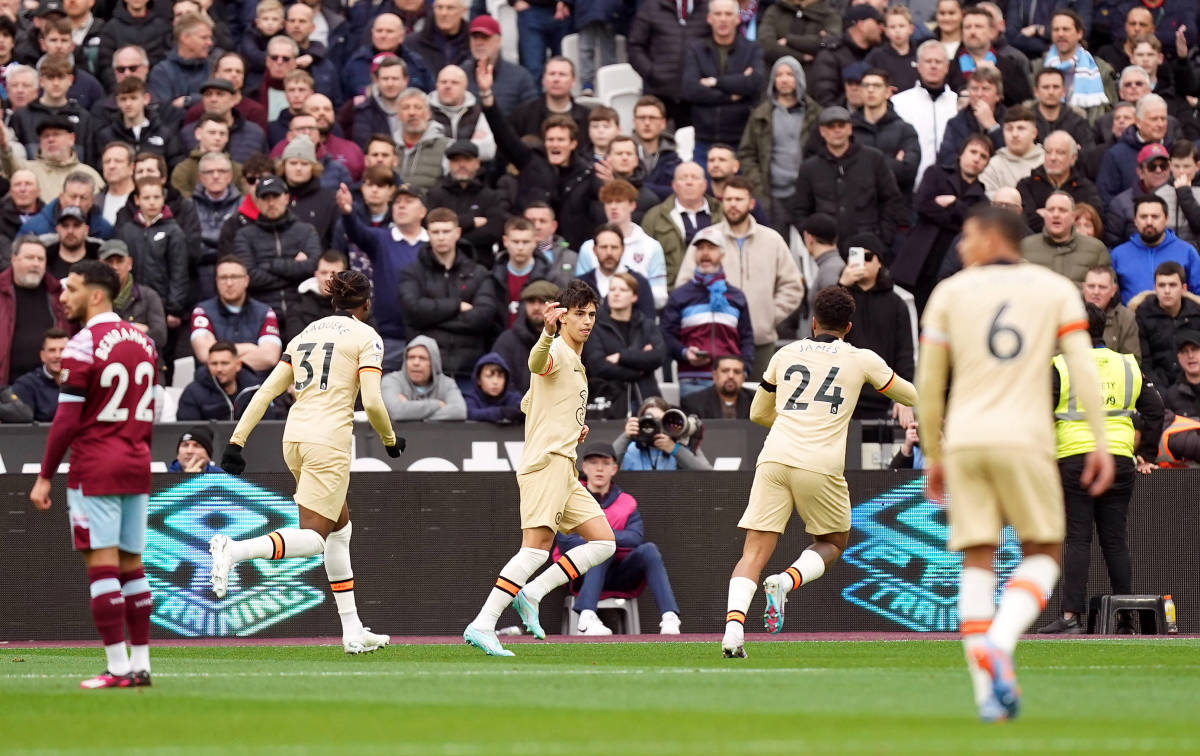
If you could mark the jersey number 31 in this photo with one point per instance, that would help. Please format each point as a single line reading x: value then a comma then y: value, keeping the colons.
x: 833, y: 399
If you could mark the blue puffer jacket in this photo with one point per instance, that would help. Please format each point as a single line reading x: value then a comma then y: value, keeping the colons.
x: 175, y: 77
x: 43, y: 222
x: 502, y: 409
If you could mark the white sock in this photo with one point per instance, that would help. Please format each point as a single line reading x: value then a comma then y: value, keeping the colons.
x: 976, y: 605
x: 1023, y: 600
x: 512, y: 577
x: 570, y: 566
x: 284, y: 543
x: 803, y: 571
x: 741, y: 593
x: 341, y: 580
x: 118, y: 660
x: 139, y: 658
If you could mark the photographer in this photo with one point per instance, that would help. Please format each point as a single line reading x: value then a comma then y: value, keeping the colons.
x: 673, y: 445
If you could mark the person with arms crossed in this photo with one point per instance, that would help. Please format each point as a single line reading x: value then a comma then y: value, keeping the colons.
x: 996, y: 326
x: 800, y: 467
x: 327, y: 363
x: 552, y: 498
x: 106, y: 413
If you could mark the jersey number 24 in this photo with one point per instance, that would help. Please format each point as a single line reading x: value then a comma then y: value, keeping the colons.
x: 834, y: 399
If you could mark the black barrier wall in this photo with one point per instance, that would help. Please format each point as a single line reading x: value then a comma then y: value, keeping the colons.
x: 427, y: 547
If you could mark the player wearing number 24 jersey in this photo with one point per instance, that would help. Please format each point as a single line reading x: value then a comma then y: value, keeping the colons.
x: 806, y: 397
x: 105, y: 415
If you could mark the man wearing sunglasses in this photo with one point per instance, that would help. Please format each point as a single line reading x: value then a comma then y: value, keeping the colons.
x: 1153, y: 177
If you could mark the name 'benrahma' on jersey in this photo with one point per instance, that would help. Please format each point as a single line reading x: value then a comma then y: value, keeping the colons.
x: 326, y: 359
x: 818, y: 382
x: 109, y: 367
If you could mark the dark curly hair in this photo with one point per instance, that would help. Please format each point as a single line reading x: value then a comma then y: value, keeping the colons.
x: 578, y: 294
x: 96, y: 273
x: 833, y: 308
x: 349, y: 289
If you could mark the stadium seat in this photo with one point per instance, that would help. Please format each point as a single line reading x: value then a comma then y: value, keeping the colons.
x: 624, y: 104
x: 622, y: 49
x: 685, y: 143
x: 185, y: 368
x: 570, y: 51
x: 670, y: 392
x: 628, y: 607
x: 166, y: 403
x: 616, y: 79
x: 911, y: 303
x: 507, y: 18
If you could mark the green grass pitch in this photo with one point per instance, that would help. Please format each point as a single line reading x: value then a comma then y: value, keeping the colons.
x: 612, y: 698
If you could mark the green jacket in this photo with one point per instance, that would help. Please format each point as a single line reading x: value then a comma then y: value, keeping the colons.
x: 659, y: 225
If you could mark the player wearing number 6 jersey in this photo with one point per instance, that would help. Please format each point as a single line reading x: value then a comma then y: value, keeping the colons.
x: 327, y: 363
x: 806, y: 397
x: 105, y: 415
x: 995, y: 326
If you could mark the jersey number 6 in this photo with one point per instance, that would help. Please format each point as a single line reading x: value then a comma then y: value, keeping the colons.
x: 309, y: 373
x: 834, y: 400
x: 1004, y: 341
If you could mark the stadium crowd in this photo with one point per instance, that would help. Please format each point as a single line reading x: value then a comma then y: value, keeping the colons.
x: 227, y: 158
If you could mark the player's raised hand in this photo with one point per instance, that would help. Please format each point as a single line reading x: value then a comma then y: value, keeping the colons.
x: 1098, y: 472
x: 232, y: 460
x: 40, y: 495
x: 345, y: 200
x: 551, y: 314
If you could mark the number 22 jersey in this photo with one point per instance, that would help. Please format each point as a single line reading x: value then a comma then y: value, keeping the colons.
x: 818, y: 382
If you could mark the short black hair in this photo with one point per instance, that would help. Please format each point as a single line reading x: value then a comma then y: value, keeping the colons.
x: 54, y: 333
x: 1096, y: 320
x: 1010, y: 225
x: 833, y: 308
x: 578, y: 294
x: 1171, y: 268
x: 96, y: 273
x: 223, y: 346
x: 1143, y: 199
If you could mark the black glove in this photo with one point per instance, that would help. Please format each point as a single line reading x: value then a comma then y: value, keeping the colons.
x: 232, y: 461
x: 396, y: 450
x: 511, y: 414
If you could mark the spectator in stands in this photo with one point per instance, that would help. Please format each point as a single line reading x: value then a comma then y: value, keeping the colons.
x: 386, y: 36
x: 1019, y: 155
x: 944, y: 198
x: 312, y: 201
x: 541, y: 25
x: 909, y: 456
x: 479, y: 207
x: 54, y: 105
x: 335, y: 165
x: 116, y: 164
x: 424, y: 142
x: 983, y: 115
x: 490, y: 399
x: 443, y: 40
x: 658, y: 43
x: 820, y: 236
x: 17, y: 207
x: 56, y: 157
x: 930, y: 104
x: 232, y: 68
x: 637, y: 561
x: 949, y: 24
x: 1161, y: 315
x: 177, y: 78
x: 297, y: 87
x: 798, y: 29
x: 458, y: 112
x: 1137, y: 260
x: 69, y: 243
x: 621, y: 355
x: 391, y: 249
x: 315, y: 301
x: 557, y: 250
x: 642, y: 254
x: 29, y: 307
x: 603, y: 125
x: 255, y: 47
x: 1118, y: 169
x: 772, y: 146
x: 38, y: 388
x: 216, y: 200
x: 862, y: 27
x: 152, y: 165
x: 1120, y: 325
x: 314, y: 59
x: 422, y: 391
x: 852, y: 85
x: 377, y: 112
x: 1186, y: 218
x: 622, y: 163
x: 136, y: 123
x: 222, y: 388
x: 21, y: 83
x: 212, y: 136
x: 132, y: 23
x: 1059, y: 246
x: 607, y: 246
x: 232, y: 316
x: 726, y: 398
x: 516, y: 266
x: 878, y: 126
x: 449, y: 297
x: 848, y: 181
x: 763, y: 268
x: 655, y: 147
x: 512, y: 84
x: 278, y: 250
x: 1134, y: 84
x: 78, y: 190
x: 898, y: 54
x: 1058, y: 172
x: 515, y: 343
x: 557, y: 81
x: 245, y: 137
x: 978, y: 33
x: 717, y: 316
x: 722, y: 76
x: 1183, y: 398
x: 1051, y: 113
x: 139, y: 305
x: 1153, y: 175
x: 660, y: 452
x: 159, y: 249
x: 1088, y: 80
x: 193, y: 453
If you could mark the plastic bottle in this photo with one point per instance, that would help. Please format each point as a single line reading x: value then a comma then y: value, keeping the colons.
x: 1169, y: 614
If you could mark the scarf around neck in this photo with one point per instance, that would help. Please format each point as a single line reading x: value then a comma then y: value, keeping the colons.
x: 1087, y: 87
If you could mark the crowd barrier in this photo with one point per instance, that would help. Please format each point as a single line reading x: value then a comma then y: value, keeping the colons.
x: 427, y: 547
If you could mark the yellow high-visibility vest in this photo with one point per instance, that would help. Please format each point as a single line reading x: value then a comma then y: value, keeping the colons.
x: 1120, y: 386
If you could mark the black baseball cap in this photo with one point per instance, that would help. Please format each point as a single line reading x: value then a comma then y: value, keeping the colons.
x: 269, y: 186
x: 225, y: 85
x: 72, y: 212
x: 46, y: 7
x: 1185, y: 337
x: 856, y: 13
x: 56, y: 122
x: 462, y: 148
x: 598, y: 449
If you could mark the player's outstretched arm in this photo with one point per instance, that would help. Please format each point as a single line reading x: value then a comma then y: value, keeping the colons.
x: 540, y: 361
x: 762, y: 409
x: 900, y: 390
x: 370, y: 387
x: 277, y: 382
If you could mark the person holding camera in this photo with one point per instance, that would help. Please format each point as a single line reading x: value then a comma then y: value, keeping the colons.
x: 662, y: 438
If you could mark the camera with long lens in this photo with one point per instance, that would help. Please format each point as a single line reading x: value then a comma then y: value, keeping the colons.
x: 677, y: 425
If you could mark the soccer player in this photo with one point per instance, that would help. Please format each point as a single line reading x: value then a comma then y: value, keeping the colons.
x: 552, y: 498
x: 995, y: 327
x: 106, y: 416
x: 328, y: 363
x: 806, y: 397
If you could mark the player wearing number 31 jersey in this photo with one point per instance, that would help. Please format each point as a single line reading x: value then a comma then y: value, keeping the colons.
x: 105, y: 415
x: 806, y: 397
x: 327, y: 364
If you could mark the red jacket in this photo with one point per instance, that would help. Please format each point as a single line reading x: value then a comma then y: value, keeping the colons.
x: 8, y: 315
